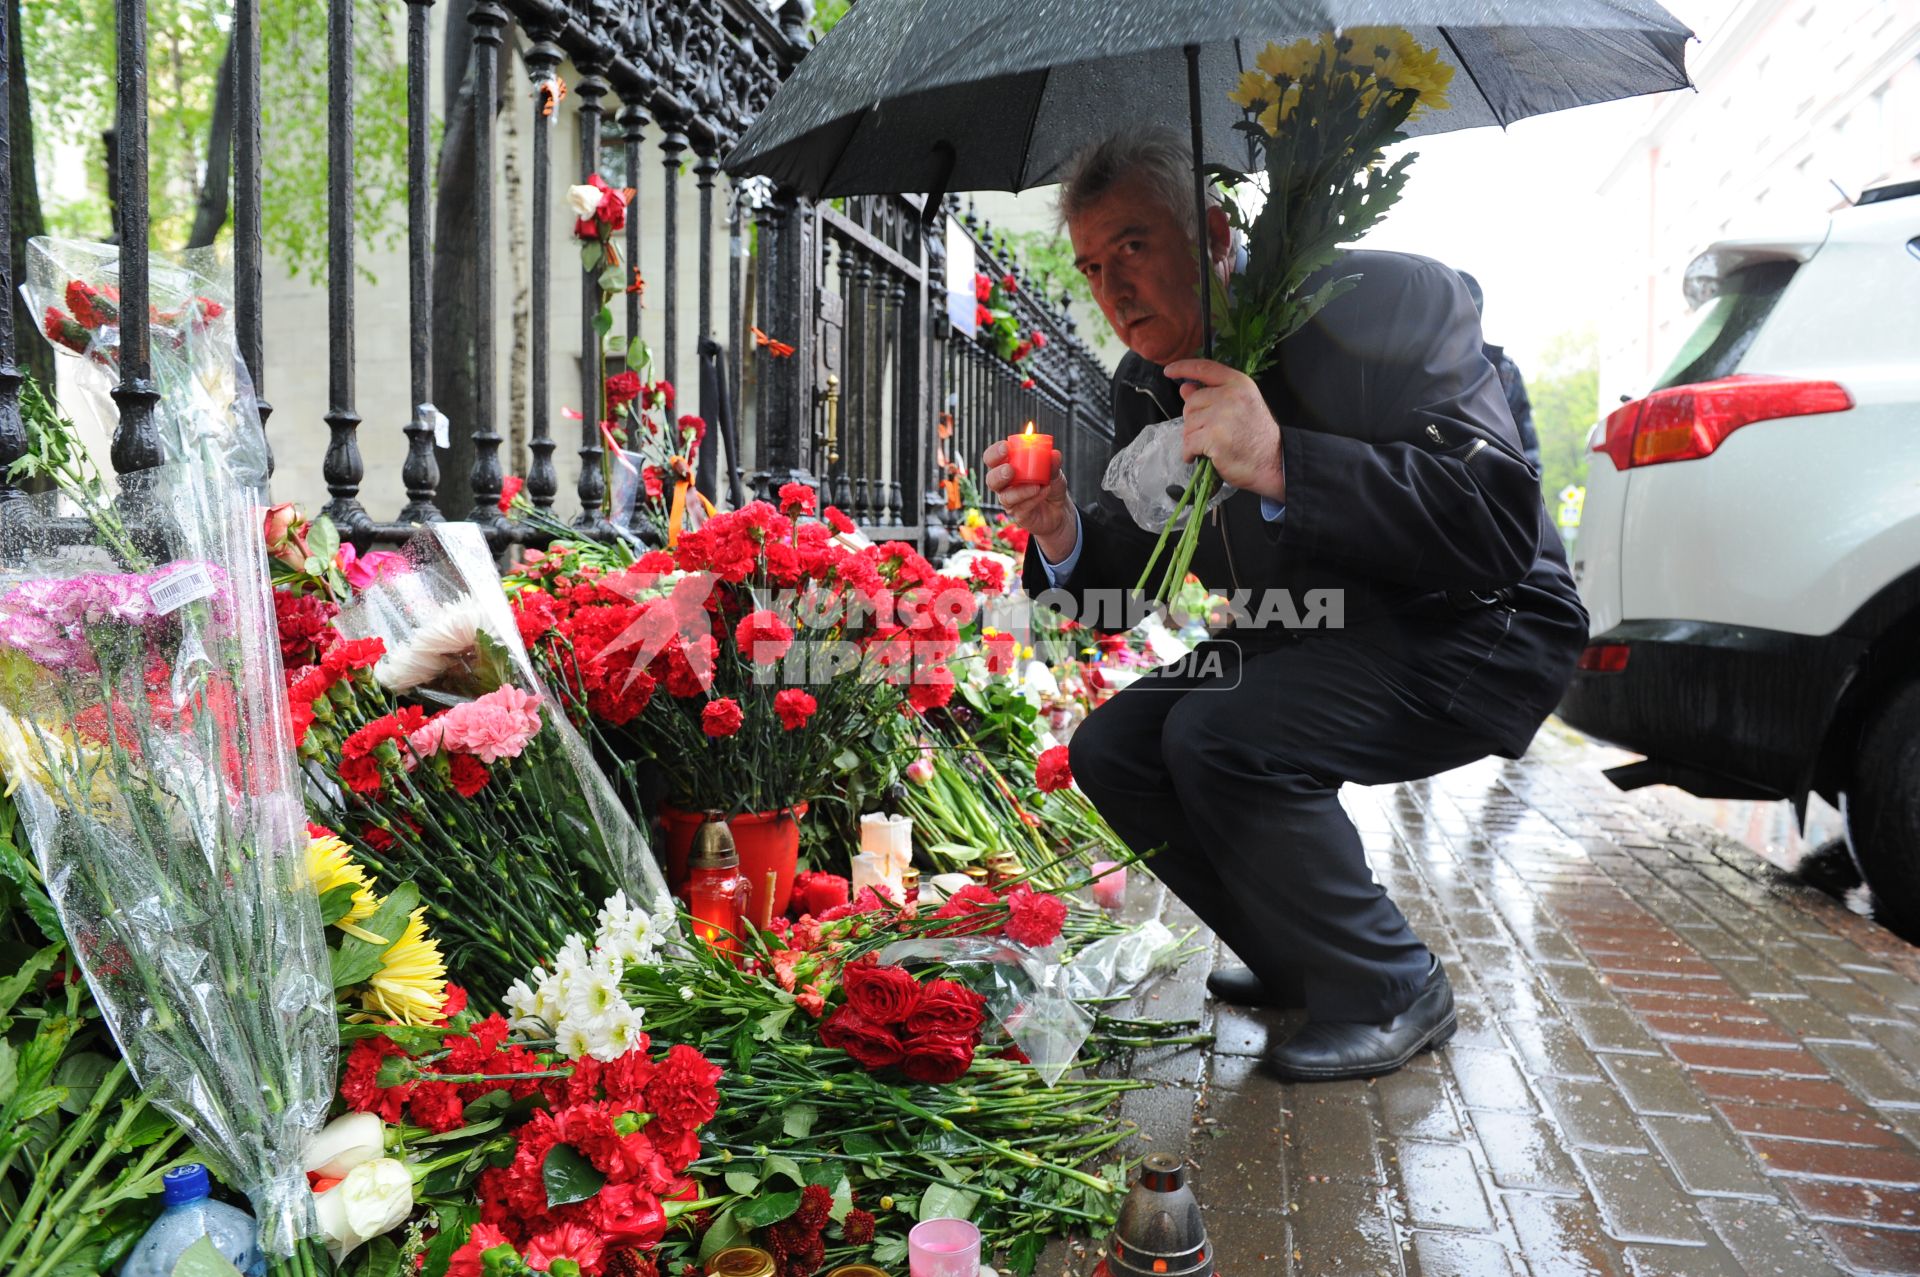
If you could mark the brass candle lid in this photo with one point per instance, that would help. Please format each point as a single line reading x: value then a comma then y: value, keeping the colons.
x: 741, y: 1261
x: 858, y: 1270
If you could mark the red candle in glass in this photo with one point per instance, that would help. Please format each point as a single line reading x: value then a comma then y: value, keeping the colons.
x: 1031, y: 456
x: 716, y: 889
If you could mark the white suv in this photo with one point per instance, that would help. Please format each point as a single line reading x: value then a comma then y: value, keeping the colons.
x: 1750, y: 547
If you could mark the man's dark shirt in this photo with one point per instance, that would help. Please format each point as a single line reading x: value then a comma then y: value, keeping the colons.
x: 1407, y: 489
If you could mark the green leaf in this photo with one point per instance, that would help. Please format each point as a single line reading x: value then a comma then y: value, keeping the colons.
x: 16, y: 985
x: 724, y: 1232
x: 356, y: 961
x: 611, y: 280
x: 799, y: 1119
x: 202, y: 1260
x: 745, y: 1183
x: 150, y: 1126
x: 639, y: 358
x: 323, y: 539
x: 380, y: 1259
x: 768, y: 1208
x: 1023, y: 1253
x: 778, y: 1165
x: 455, y: 1223
x: 337, y: 903
x: 953, y: 851
x: 846, y: 760
x: 590, y: 257
x: 9, y: 1070
x: 861, y: 1144
x: 602, y: 322
x: 771, y: 1023
x: 890, y: 1251
x: 944, y: 1201
x: 569, y: 1177
x: 79, y: 1075
x: 842, y: 1200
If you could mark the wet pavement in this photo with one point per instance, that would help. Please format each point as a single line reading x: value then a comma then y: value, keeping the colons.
x: 1672, y: 1061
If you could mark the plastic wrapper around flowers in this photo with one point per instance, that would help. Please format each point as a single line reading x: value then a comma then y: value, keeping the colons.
x: 144, y: 739
x: 1034, y: 996
x: 556, y: 839
x: 1148, y: 476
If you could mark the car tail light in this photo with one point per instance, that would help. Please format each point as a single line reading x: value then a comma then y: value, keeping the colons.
x: 1605, y: 658
x: 1681, y: 423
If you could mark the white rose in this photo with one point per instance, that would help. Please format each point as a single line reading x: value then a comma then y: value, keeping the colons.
x: 375, y: 1197
x: 344, y: 1143
x: 583, y: 200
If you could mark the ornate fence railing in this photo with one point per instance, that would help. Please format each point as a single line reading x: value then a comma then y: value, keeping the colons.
x: 879, y: 393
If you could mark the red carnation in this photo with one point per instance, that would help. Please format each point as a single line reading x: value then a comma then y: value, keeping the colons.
x: 797, y: 499
x: 694, y: 426
x: 1039, y: 340
x: 1034, y: 918
x: 622, y: 388
x: 873, y: 1045
x: 465, y: 1262
x: 982, y: 287
x: 982, y: 317
x: 763, y: 637
x: 1009, y: 284
x: 837, y: 521
x: 721, y: 717
x: 1054, y: 771
x: 360, y: 1086
x: 937, y: 1058
x: 794, y: 707
x: 509, y: 489
x: 352, y: 654
x: 469, y: 775
x: 1027, y: 384
x: 880, y: 993
x: 683, y: 1092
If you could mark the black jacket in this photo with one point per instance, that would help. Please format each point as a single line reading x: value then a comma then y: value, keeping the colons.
x: 1406, y: 490
x: 1519, y: 406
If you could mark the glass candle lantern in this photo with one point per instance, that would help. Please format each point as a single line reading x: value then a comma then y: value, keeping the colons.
x: 717, y: 891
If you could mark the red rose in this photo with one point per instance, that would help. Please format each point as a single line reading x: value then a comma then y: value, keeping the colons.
x: 872, y: 1045
x: 881, y: 994
x: 1054, y: 770
x: 937, y: 1058
x: 946, y: 1006
x: 815, y: 893
x: 794, y: 707
x: 622, y: 388
x: 721, y: 717
x: 1034, y: 918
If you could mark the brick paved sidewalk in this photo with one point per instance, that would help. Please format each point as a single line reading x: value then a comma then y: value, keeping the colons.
x: 1671, y: 1061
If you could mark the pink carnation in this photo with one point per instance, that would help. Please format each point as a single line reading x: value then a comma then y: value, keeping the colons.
x: 492, y: 727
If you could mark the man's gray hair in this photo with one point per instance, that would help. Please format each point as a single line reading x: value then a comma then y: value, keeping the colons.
x: 1158, y: 156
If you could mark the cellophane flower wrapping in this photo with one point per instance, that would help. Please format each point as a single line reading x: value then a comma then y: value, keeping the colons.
x: 557, y: 841
x: 143, y: 729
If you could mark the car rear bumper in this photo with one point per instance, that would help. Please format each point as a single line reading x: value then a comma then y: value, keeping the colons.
x: 1721, y: 711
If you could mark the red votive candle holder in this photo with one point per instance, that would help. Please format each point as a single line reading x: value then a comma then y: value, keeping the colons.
x: 1031, y: 456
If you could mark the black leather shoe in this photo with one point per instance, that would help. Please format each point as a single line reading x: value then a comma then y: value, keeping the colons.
x: 1240, y: 986
x: 1326, y: 1050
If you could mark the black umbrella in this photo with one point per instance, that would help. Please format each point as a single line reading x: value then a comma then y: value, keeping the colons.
x: 939, y: 95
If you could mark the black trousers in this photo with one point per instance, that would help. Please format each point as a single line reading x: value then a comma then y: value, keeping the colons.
x: 1233, y: 762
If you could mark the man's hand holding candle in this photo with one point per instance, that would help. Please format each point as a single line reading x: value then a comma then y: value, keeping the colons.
x: 1045, y: 510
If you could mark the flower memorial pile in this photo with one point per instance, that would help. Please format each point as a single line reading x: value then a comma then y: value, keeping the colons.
x: 998, y: 327
x: 1326, y: 185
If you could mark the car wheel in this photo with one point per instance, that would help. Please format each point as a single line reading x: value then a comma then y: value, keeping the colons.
x: 1883, y: 810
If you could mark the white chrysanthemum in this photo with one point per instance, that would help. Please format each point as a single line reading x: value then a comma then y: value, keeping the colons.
x: 619, y: 1034
x: 594, y: 993
x: 627, y: 933
x: 573, y: 1039
x: 523, y: 1006
x: 686, y: 993
x: 445, y: 642
x: 550, y: 997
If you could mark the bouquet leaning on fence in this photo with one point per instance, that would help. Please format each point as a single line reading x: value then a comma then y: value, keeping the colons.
x: 143, y: 730
x: 1321, y: 112
x: 435, y: 748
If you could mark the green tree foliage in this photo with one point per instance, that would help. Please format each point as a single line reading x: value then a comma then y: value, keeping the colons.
x: 1565, y: 390
x: 70, y: 52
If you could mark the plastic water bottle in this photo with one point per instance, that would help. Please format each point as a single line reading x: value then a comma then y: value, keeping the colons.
x: 190, y: 1213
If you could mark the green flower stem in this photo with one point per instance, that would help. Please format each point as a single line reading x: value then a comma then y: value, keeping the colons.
x: 49, y: 1174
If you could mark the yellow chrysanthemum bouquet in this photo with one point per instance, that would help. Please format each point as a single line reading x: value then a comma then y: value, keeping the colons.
x: 1321, y: 111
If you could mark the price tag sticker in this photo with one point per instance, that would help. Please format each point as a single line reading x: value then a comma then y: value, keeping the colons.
x: 184, y: 583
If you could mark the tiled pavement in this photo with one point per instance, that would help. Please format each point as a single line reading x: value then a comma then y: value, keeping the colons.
x: 1671, y: 1062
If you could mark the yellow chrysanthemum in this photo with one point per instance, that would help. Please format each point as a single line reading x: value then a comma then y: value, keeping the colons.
x: 1403, y: 62
x: 1254, y: 87
x: 1271, y: 118
x: 411, y: 986
x: 1295, y: 60
x: 330, y: 865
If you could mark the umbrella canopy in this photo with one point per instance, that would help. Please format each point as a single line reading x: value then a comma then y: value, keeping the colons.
x: 937, y: 95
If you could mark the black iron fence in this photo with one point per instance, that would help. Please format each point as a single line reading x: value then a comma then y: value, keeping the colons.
x: 879, y: 398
